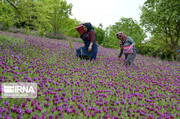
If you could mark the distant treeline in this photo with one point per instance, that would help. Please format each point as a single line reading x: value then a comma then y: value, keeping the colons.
x: 51, y: 18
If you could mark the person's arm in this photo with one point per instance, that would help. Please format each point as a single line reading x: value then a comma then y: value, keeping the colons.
x: 131, y: 41
x: 92, y: 39
x: 121, y: 52
x: 90, y: 47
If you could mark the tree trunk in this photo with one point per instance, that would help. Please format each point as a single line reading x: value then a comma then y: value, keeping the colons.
x: 172, y: 56
x: 178, y: 57
x: 177, y: 53
x: 55, y: 23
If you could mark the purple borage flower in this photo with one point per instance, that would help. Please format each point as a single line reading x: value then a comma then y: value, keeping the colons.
x: 69, y: 87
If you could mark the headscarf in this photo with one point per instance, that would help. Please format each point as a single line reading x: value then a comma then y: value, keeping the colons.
x: 89, y: 27
x: 123, y: 36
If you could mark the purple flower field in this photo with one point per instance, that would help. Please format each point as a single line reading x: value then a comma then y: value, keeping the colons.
x: 71, y: 88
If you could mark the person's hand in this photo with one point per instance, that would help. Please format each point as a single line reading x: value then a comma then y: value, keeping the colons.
x: 89, y: 49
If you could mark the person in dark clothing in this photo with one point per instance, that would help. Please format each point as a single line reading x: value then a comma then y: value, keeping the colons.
x: 127, y: 46
x: 90, y: 50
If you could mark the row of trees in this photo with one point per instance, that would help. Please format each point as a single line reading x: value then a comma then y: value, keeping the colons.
x: 129, y: 26
x: 162, y: 19
x: 41, y: 15
x: 159, y: 17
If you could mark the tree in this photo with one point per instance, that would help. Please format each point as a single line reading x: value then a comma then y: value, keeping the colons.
x: 100, y: 34
x: 29, y: 13
x: 129, y: 26
x: 163, y: 17
x: 60, y: 15
x: 46, y: 15
x: 6, y: 16
x: 70, y: 27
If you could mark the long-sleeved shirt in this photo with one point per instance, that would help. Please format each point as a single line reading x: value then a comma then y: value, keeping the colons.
x: 91, y: 36
x: 129, y: 41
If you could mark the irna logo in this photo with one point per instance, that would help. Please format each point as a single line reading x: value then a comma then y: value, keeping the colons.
x: 19, y: 90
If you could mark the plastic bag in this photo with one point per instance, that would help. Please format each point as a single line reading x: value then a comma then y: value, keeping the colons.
x: 128, y: 50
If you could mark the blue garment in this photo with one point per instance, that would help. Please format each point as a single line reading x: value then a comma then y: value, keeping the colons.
x: 82, y: 52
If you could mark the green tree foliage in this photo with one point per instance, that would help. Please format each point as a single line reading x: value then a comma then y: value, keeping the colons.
x: 70, y: 28
x: 127, y: 25
x: 42, y: 15
x: 6, y: 16
x: 162, y: 17
x: 60, y: 15
x: 32, y: 14
x: 100, y: 34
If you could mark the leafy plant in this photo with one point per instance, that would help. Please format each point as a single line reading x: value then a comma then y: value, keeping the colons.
x: 72, y: 88
x: 161, y: 17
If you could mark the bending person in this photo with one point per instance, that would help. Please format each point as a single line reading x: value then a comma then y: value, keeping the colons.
x: 90, y: 50
x: 127, y: 46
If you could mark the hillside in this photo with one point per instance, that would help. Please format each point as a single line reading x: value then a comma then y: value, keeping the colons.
x: 72, y: 88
